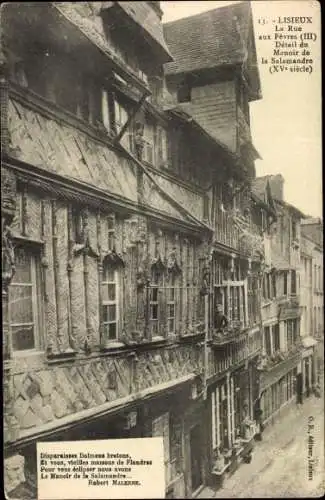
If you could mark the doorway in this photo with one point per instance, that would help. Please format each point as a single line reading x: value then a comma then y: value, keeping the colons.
x: 196, y: 457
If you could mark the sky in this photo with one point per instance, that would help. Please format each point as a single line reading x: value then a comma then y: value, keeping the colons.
x: 286, y: 122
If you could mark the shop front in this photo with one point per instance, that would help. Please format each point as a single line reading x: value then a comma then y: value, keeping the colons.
x: 231, y: 423
x: 195, y: 447
x: 279, y: 386
x: 309, y: 366
x: 161, y: 415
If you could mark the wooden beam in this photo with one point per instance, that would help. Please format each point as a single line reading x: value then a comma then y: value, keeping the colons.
x: 131, y: 116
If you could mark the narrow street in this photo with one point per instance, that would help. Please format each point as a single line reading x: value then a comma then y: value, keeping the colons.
x: 279, y: 467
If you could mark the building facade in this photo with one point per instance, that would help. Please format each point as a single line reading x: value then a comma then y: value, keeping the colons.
x: 281, y: 376
x: 312, y: 299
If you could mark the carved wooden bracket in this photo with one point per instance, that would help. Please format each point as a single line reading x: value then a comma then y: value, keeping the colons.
x: 158, y: 266
x: 113, y: 259
x: 172, y: 264
x: 8, y: 208
x: 84, y: 246
x: 138, y: 139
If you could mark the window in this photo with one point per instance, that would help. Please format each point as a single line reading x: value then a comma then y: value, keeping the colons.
x: 293, y: 282
x: 110, y: 310
x: 154, y: 304
x: 276, y: 337
x: 111, y: 232
x: 294, y: 229
x: 106, y: 118
x: 24, y: 301
x: 156, y: 85
x: 206, y: 207
x: 162, y: 145
x: 285, y: 283
x: 292, y: 332
x: 253, y: 299
x: 121, y: 116
x: 232, y: 298
x: 315, y: 277
x: 267, y: 341
x: 171, y: 307
x: 149, y: 141
x: 273, y: 277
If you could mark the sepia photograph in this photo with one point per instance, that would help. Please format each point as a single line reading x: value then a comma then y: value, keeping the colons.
x: 162, y: 250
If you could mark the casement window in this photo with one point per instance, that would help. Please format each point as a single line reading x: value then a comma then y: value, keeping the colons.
x: 110, y: 304
x: 154, y: 304
x: 25, y: 301
x: 253, y: 299
x: 285, y: 283
x: 121, y: 115
x: 111, y: 233
x: 291, y: 332
x: 273, y: 278
x: 206, y: 207
x: 171, y: 307
x: 233, y: 298
x: 276, y: 337
x: 156, y: 85
x: 293, y: 282
x: 267, y: 341
x: 161, y: 146
x: 106, y: 112
x: 148, y: 154
x: 219, y: 417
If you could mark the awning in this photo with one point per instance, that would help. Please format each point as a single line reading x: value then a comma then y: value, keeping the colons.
x: 270, y: 377
x: 308, y: 342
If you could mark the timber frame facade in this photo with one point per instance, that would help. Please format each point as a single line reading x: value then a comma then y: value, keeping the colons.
x: 128, y: 220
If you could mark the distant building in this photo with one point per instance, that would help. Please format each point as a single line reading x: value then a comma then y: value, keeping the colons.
x: 280, y: 367
x: 312, y: 297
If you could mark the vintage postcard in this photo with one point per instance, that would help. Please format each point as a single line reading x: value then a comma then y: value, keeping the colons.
x: 162, y: 250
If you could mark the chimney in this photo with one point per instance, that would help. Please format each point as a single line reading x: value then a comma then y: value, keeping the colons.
x: 276, y: 185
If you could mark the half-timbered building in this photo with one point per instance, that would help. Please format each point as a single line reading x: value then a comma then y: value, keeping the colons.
x: 132, y: 243
x: 280, y: 364
x: 213, y: 77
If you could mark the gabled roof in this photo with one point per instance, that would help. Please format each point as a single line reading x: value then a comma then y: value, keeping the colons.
x: 223, y: 36
x: 179, y: 112
x: 265, y: 186
x: 262, y: 191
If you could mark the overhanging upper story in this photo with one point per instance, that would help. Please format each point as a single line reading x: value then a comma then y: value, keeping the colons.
x: 214, y: 74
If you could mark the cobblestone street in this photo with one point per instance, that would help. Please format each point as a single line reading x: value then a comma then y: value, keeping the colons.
x: 279, y: 467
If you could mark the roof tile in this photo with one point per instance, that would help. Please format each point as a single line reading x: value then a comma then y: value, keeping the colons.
x: 209, y: 39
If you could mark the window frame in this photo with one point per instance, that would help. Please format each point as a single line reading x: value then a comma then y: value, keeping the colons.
x: 105, y: 336
x: 171, y: 302
x: 36, y: 301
